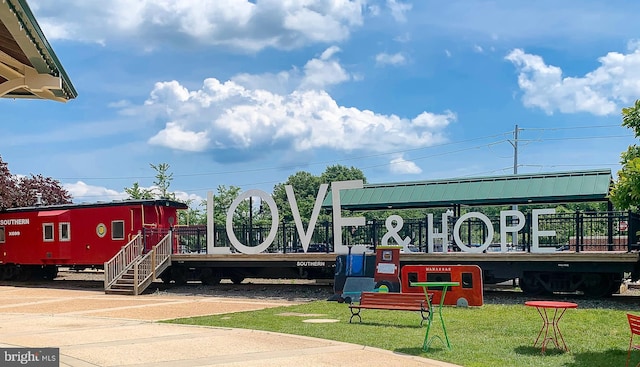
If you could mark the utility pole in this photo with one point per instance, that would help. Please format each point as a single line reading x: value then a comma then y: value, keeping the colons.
x: 514, y: 143
x: 515, y: 150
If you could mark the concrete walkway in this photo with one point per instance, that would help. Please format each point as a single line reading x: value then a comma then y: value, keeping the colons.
x: 95, y: 329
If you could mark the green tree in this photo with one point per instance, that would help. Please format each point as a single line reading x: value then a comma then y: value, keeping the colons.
x: 222, y: 201
x: 625, y: 193
x: 305, y: 186
x: 136, y: 192
x: 162, y: 184
x: 194, y: 215
x: 163, y: 180
x: 341, y: 173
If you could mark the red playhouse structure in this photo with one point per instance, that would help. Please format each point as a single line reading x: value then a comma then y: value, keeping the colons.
x: 388, y: 275
x: 387, y: 270
x: 469, y: 293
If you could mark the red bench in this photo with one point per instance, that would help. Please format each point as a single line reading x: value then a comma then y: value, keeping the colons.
x: 392, y: 301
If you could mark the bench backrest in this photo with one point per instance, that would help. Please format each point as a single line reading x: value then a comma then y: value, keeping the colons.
x: 393, y: 299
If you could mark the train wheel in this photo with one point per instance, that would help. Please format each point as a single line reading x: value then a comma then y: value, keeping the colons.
x: 596, y: 285
x: 166, y: 276
x: 236, y: 278
x: 530, y: 285
x: 24, y: 273
x: 49, y: 272
x: 179, y: 275
x: 8, y: 272
x: 209, y: 277
x: 615, y: 287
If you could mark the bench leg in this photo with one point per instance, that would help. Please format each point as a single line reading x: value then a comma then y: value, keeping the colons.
x: 425, y: 314
x: 354, y: 314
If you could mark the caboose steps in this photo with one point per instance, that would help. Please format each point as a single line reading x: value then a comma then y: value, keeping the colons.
x: 131, y: 271
x: 121, y: 292
x: 124, y: 285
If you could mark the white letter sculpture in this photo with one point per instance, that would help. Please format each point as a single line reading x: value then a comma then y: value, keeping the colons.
x: 433, y: 234
x: 392, y: 231
x: 338, y: 220
x: 504, y: 228
x: 305, y: 237
x: 274, y: 222
x: 487, y: 222
x: 536, y: 232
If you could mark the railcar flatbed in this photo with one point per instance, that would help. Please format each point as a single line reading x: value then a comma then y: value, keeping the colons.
x: 536, y: 272
x: 263, y: 257
x: 414, y: 257
x: 211, y: 268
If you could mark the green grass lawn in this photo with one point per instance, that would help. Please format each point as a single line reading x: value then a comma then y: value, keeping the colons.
x: 491, y: 335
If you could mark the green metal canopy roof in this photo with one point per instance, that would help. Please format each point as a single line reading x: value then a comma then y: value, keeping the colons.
x: 498, y: 190
x: 28, y: 66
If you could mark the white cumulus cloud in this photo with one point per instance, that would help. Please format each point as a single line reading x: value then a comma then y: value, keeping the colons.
x: 324, y: 71
x: 390, y: 59
x: 255, y: 113
x: 399, y: 165
x: 81, y: 192
x: 399, y: 9
x: 241, y: 24
x: 175, y: 137
x: 603, y: 91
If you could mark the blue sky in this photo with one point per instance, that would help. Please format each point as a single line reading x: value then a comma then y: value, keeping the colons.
x: 247, y: 93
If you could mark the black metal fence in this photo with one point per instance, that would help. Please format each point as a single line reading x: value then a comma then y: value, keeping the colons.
x: 576, y: 231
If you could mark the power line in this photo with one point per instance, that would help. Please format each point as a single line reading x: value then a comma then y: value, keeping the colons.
x: 569, y: 165
x: 568, y: 127
x: 397, y: 152
x: 285, y: 167
x: 577, y: 138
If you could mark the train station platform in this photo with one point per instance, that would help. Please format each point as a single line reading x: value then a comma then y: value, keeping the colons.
x: 94, y: 329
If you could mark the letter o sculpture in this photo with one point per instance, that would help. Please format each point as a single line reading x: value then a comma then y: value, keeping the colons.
x: 274, y: 222
x: 490, y: 232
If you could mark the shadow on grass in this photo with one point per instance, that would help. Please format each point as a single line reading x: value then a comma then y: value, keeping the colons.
x: 416, y: 351
x: 537, y: 351
x: 366, y: 323
x: 611, y: 357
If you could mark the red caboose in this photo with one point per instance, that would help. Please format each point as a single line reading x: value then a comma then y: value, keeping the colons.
x: 36, y: 240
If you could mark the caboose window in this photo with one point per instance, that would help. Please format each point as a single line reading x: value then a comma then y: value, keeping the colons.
x: 2, y: 238
x: 47, y: 232
x: 117, y: 230
x: 63, y: 230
